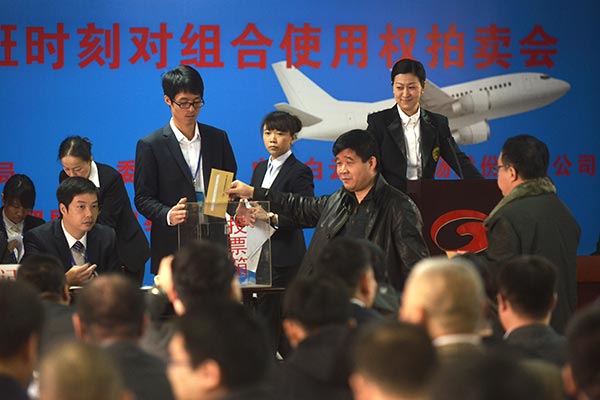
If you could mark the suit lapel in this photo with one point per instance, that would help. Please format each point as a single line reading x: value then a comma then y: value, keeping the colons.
x: 427, y: 138
x: 60, y: 241
x: 173, y: 147
x: 259, y: 173
x: 394, y: 127
x: 283, y: 172
x: 93, y: 251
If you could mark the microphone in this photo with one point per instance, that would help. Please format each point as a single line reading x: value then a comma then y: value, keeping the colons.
x: 450, y: 143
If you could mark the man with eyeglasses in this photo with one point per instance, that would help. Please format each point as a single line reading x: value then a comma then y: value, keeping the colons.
x: 531, y: 220
x: 173, y: 164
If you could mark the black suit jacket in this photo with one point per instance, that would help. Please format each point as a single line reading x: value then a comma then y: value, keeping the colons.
x: 49, y: 239
x: 29, y: 223
x: 436, y: 141
x: 116, y: 212
x: 539, y: 341
x: 162, y: 177
x: 287, y: 244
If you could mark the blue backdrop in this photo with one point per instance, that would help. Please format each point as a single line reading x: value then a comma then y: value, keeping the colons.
x: 93, y: 68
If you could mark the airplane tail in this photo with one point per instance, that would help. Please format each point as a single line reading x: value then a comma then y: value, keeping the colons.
x: 306, y: 99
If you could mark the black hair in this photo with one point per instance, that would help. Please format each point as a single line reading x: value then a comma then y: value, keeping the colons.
x: 529, y: 283
x: 283, y: 122
x: 113, y: 304
x: 226, y: 333
x: 408, y: 66
x: 21, y: 316
x: 360, y: 141
x: 74, y: 186
x: 528, y: 155
x: 202, y: 270
x: 75, y: 146
x: 315, y: 302
x: 346, y: 259
x: 583, y: 349
x: 182, y: 79
x: 20, y: 187
x: 398, y: 357
x: 44, y: 272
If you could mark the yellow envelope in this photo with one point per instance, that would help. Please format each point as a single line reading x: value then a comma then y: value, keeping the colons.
x: 215, y: 198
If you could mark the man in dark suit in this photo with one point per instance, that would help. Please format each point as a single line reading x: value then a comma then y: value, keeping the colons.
x: 173, y: 164
x: 75, y: 154
x: 526, y: 297
x: 348, y: 260
x: 411, y: 139
x: 83, y: 247
x: 18, y: 199
x: 111, y: 312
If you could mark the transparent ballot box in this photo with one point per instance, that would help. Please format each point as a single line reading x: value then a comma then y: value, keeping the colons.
x: 243, y: 227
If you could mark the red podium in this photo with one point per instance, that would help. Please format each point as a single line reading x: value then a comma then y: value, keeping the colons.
x: 453, y: 212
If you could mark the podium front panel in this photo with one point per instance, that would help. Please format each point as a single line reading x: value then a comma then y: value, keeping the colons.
x: 453, y: 212
x: 228, y: 225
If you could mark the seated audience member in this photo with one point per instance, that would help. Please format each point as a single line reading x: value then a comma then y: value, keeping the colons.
x: 446, y: 297
x: 349, y: 261
x: 21, y: 319
x: 110, y: 312
x: 75, y: 155
x: 47, y: 277
x: 79, y: 371
x: 316, y: 323
x: 199, y: 272
x: 218, y: 351
x: 18, y: 199
x: 83, y: 247
x: 488, y: 376
x: 393, y: 361
x: 582, y: 373
x: 531, y: 220
x: 526, y: 298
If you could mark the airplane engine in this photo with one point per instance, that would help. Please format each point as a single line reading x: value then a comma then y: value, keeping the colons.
x: 473, y: 103
x: 472, y: 134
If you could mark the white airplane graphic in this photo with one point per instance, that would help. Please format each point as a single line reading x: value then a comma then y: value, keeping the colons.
x: 469, y: 106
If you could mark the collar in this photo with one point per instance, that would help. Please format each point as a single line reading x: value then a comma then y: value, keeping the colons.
x: 181, y: 137
x: 279, y: 161
x: 9, y: 225
x: 406, y: 119
x: 532, y: 187
x: 94, y: 177
x: 468, y: 338
x: 70, y: 239
x: 358, y: 302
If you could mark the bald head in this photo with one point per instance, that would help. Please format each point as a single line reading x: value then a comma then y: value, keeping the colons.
x: 110, y: 307
x: 446, y: 296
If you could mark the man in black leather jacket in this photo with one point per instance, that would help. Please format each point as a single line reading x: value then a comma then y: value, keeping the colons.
x: 365, y: 207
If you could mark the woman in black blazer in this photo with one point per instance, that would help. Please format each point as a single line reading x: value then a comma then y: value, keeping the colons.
x: 285, y: 173
x: 75, y: 155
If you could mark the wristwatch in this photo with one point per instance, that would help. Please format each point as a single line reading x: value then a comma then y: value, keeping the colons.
x: 273, y: 218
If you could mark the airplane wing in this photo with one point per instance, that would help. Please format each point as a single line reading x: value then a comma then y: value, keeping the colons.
x: 434, y: 98
x: 306, y: 118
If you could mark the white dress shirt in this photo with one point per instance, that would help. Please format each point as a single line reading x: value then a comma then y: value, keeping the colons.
x: 273, y: 168
x: 412, y: 138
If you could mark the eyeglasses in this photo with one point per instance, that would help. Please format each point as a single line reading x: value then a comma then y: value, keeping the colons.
x: 186, y: 104
x: 497, y: 167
